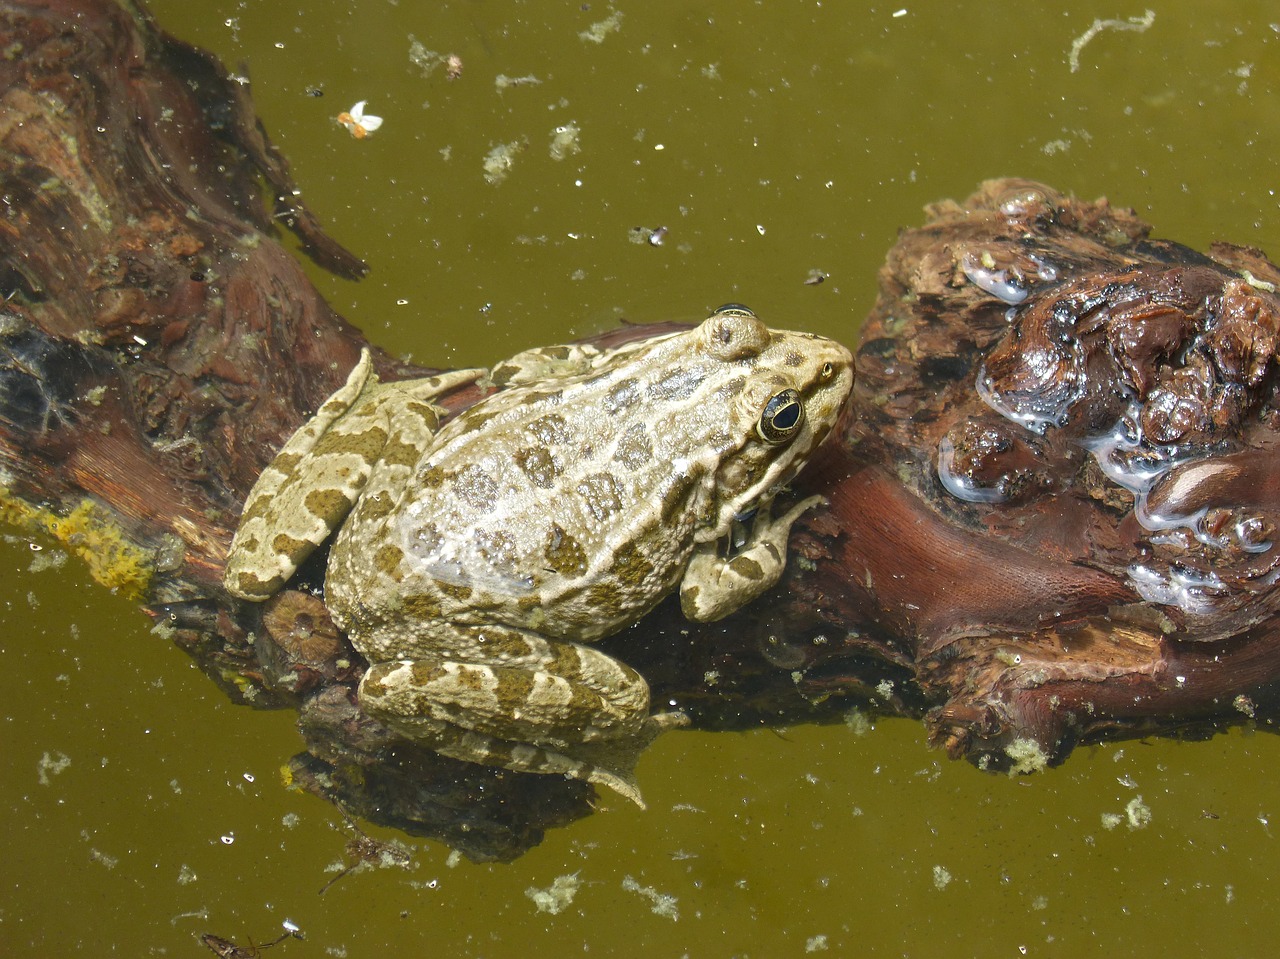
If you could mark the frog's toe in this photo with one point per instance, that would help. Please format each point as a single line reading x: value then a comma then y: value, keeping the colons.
x: 522, y: 757
x: 625, y: 787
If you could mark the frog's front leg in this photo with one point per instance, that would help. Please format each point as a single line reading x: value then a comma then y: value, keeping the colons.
x: 304, y: 494
x: 524, y: 703
x: 715, y: 585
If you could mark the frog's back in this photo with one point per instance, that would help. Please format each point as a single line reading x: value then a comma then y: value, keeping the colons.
x: 568, y: 507
x: 572, y: 506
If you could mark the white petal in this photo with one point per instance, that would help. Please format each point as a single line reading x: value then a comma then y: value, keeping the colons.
x: 370, y: 122
x: 357, y: 111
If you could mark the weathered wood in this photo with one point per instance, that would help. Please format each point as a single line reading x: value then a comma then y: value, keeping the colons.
x: 157, y: 344
x: 1018, y: 593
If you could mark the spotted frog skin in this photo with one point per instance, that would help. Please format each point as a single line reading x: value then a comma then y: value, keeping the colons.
x: 473, y: 561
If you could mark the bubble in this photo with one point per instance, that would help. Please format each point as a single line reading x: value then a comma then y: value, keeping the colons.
x: 1123, y: 457
x: 1045, y: 271
x: 1023, y: 201
x: 1251, y: 534
x: 1129, y: 460
x: 960, y: 486
x: 1034, y: 411
x: 1188, y: 589
x: 1001, y: 284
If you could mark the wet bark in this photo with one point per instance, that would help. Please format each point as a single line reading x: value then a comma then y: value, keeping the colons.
x: 1051, y: 507
x: 1058, y: 492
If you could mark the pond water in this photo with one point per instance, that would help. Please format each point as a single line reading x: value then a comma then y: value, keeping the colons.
x: 770, y: 140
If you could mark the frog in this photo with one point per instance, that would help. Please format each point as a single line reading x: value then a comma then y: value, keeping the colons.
x: 475, y: 559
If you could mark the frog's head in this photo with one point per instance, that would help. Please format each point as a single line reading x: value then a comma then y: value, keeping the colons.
x: 786, y: 395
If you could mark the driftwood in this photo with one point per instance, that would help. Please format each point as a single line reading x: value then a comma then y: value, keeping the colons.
x: 1003, y: 561
x: 978, y: 567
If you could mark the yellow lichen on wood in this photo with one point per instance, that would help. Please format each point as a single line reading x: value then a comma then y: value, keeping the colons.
x: 92, y: 534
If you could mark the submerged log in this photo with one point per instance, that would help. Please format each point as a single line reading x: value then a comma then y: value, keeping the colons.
x: 1052, y: 507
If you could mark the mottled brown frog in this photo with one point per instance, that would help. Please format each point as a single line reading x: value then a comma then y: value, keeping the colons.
x: 474, y: 561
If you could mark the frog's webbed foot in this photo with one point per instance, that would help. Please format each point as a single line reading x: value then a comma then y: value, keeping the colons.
x: 715, y: 585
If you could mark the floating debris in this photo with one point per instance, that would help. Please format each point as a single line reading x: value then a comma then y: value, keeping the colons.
x: 502, y: 81
x: 564, y: 141
x: 42, y: 559
x: 1139, y: 24
x: 941, y: 877
x: 227, y: 949
x: 51, y: 764
x: 429, y: 61
x: 815, y: 277
x: 602, y: 28
x: 858, y: 722
x: 498, y: 161
x: 358, y: 123
x: 425, y: 60
x: 1028, y: 756
x: 366, y: 852
x: 1137, y: 813
x: 663, y: 904
x: 641, y: 235
x: 557, y: 896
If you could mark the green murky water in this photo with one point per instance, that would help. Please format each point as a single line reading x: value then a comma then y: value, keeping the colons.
x: 771, y: 140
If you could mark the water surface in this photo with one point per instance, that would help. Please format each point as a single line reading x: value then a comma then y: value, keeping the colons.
x: 771, y: 140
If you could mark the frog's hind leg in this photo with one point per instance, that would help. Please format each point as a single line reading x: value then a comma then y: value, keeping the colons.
x: 502, y: 697
x: 610, y: 764
x: 309, y: 487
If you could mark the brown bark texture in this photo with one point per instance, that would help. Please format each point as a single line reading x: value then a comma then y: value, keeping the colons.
x: 1052, y: 506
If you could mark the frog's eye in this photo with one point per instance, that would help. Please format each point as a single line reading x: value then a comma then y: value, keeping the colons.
x: 782, y: 416
x: 734, y: 333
